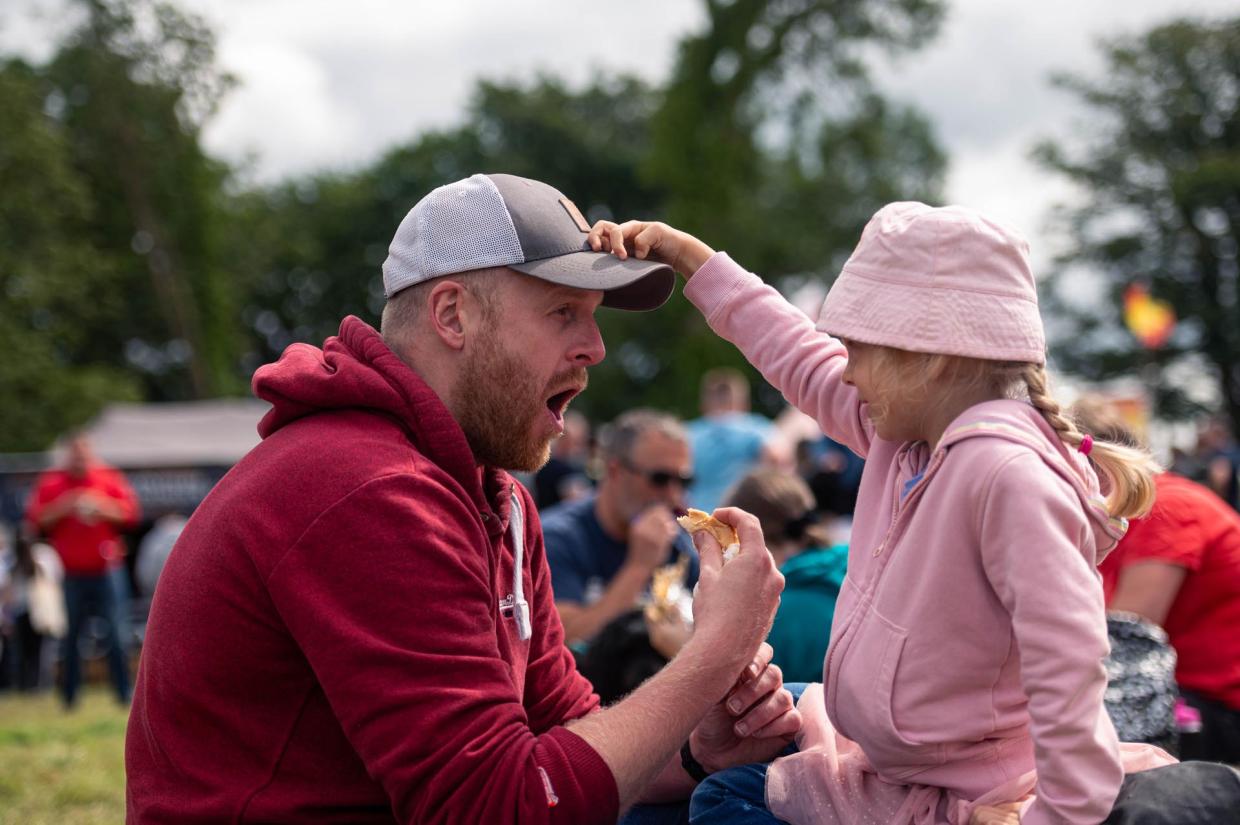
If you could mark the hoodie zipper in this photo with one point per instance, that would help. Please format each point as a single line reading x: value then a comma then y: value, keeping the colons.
x: 898, y: 508
x: 897, y: 513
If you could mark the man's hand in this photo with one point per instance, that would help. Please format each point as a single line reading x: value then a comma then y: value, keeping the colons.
x: 651, y: 239
x: 651, y: 536
x: 753, y: 723
x: 639, y: 736
x: 734, y: 605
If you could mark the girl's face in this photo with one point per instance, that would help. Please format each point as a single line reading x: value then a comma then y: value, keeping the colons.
x: 896, y: 400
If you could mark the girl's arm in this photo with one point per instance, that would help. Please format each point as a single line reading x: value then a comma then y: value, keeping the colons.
x: 1037, y: 553
x: 802, y: 363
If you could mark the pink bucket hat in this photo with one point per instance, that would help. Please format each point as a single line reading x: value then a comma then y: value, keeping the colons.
x: 941, y: 280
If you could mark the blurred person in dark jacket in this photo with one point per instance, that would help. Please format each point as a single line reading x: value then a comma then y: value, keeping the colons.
x: 32, y: 610
x: 564, y: 477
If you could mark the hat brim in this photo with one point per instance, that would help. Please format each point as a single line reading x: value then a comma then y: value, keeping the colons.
x: 630, y: 284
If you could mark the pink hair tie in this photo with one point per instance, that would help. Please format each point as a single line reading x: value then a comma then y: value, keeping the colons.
x: 1087, y: 444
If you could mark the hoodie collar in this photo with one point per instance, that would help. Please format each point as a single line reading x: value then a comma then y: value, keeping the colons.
x: 357, y: 370
x: 1019, y: 422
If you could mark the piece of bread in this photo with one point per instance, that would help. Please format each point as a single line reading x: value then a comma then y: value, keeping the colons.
x: 698, y: 521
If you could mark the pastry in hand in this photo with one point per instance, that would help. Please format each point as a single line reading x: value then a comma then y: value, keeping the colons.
x: 698, y: 521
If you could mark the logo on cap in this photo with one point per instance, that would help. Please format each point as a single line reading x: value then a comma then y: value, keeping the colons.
x: 575, y: 214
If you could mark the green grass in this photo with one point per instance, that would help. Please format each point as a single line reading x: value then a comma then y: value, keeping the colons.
x: 58, y: 767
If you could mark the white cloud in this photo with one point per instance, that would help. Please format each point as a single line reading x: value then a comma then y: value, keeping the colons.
x: 387, y: 71
x: 985, y: 85
x: 328, y: 84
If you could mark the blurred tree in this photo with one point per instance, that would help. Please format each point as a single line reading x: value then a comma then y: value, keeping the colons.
x: 318, y: 243
x: 772, y: 144
x: 1160, y: 168
x: 768, y: 141
x: 131, y: 88
x: 55, y: 286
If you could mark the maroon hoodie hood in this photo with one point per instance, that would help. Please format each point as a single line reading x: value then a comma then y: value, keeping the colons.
x: 356, y: 370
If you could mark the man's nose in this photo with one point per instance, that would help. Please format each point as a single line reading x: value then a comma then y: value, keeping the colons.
x: 590, y: 350
x: 674, y: 492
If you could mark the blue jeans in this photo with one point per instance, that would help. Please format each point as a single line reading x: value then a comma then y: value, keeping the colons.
x: 87, y: 596
x: 731, y: 796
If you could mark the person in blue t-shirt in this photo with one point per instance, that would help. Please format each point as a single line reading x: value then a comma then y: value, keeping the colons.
x: 728, y: 440
x: 603, y: 549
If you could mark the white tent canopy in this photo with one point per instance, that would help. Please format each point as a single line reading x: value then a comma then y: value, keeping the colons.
x: 184, y: 434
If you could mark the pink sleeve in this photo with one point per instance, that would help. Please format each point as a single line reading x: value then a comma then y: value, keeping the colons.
x: 804, y: 364
x: 1035, y: 539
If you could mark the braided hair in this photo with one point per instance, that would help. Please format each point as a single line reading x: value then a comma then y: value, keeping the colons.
x: 1128, y: 471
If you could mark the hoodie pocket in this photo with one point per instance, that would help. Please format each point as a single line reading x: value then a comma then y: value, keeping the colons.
x: 866, y: 692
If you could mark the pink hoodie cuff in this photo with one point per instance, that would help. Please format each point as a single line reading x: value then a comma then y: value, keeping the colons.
x: 714, y: 283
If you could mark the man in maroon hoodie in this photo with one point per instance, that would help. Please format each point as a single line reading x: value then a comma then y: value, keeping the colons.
x: 357, y: 624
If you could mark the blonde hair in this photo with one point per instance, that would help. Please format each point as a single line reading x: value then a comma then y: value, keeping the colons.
x: 1127, y: 470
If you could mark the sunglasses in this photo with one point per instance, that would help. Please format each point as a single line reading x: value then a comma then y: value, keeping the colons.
x: 660, y: 478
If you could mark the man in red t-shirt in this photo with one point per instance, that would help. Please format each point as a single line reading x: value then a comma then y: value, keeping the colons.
x: 81, y: 509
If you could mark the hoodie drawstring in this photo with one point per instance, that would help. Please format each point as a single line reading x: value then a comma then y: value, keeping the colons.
x: 520, y: 607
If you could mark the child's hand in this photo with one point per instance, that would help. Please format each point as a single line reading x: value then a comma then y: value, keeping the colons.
x: 1006, y: 814
x: 651, y: 239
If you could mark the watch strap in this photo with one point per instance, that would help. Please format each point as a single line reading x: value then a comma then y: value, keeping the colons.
x: 690, y: 764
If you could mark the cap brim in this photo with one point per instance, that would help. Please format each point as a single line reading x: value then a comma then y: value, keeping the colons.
x: 629, y: 284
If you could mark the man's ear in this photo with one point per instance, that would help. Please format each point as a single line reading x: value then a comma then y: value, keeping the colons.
x: 445, y: 307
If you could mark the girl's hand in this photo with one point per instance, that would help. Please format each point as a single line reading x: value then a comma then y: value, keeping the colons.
x: 1007, y: 813
x: 651, y: 239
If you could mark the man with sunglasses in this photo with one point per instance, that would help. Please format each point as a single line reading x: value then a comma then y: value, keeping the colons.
x: 603, y: 549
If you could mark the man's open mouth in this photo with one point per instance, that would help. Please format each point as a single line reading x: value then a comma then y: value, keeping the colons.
x: 558, y: 403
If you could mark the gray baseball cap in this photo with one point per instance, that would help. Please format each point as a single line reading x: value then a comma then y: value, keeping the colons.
x: 504, y: 220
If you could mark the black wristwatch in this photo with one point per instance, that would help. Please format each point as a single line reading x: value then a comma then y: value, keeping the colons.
x: 692, y: 766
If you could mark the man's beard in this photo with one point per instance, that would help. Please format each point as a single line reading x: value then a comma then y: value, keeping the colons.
x: 500, y: 407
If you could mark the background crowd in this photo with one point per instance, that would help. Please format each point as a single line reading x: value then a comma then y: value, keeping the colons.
x: 608, y: 499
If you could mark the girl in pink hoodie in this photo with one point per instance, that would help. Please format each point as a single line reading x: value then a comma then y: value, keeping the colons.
x: 964, y: 679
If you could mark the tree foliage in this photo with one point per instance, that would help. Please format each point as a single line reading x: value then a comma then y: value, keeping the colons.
x: 1160, y: 167
x: 130, y: 90
x: 53, y: 280
x: 139, y: 268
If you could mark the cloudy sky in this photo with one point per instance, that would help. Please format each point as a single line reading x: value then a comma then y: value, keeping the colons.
x: 330, y: 84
